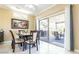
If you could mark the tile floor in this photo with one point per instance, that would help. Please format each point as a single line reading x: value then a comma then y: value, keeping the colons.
x: 44, y: 48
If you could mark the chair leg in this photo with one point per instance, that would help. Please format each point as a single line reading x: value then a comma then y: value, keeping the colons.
x: 13, y: 50
x: 37, y: 46
x: 13, y: 47
x: 23, y: 46
x: 26, y: 46
x: 29, y: 48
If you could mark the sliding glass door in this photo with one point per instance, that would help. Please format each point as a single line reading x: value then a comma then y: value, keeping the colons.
x: 52, y: 29
x: 57, y: 29
x: 43, y: 30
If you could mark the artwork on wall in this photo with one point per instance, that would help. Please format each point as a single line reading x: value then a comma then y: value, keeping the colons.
x: 19, y: 24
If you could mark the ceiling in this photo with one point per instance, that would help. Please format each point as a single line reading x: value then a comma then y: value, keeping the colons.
x: 31, y: 9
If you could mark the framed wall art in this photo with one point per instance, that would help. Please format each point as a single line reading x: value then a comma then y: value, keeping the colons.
x: 19, y: 24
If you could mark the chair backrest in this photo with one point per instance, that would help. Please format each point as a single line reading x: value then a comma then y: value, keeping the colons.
x: 34, y: 33
x: 13, y: 38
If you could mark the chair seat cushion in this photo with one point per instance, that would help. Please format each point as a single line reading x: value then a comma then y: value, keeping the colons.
x: 19, y: 41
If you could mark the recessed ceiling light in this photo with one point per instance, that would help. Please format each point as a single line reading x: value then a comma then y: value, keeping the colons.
x: 36, y: 4
x: 29, y: 6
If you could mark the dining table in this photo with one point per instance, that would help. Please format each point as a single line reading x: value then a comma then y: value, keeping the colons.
x: 25, y: 37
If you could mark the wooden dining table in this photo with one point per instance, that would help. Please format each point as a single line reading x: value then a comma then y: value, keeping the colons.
x: 25, y: 37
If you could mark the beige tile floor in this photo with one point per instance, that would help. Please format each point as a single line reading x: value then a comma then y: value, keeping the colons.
x: 44, y: 48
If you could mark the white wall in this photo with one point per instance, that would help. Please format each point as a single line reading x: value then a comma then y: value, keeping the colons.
x: 67, y: 33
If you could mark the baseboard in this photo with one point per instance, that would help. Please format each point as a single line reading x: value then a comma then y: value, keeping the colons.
x: 76, y: 50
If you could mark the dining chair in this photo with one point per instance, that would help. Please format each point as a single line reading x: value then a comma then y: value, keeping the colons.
x: 15, y: 41
x: 32, y: 41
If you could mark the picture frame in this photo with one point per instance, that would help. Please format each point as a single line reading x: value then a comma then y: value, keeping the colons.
x: 19, y: 24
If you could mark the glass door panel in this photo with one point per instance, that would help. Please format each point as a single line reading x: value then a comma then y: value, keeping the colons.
x: 57, y: 29
x: 44, y: 30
